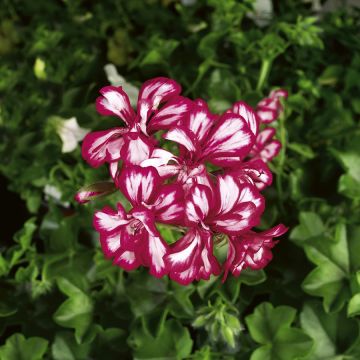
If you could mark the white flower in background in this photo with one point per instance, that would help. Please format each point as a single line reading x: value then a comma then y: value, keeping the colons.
x: 262, y: 12
x: 315, y: 4
x: 54, y: 193
x: 332, y: 5
x: 188, y: 2
x: 116, y: 79
x: 70, y: 133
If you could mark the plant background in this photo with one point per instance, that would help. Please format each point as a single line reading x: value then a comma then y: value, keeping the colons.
x: 60, y: 299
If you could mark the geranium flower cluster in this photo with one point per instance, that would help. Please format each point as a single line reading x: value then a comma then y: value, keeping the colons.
x: 180, y: 165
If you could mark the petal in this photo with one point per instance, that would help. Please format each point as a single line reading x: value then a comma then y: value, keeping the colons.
x: 172, y: 114
x: 198, y: 203
x: 136, y: 149
x: 276, y: 231
x: 183, y: 251
x: 114, y: 101
x: 228, y: 191
x: 191, y: 258
x: 209, y: 264
x: 266, y: 115
x: 200, y: 120
x: 158, y: 90
x: 231, y: 136
x: 251, y: 250
x: 160, y: 159
x: 279, y: 93
x: 103, y: 146
x: 182, y: 136
x: 270, y: 151
x: 114, y: 169
x: 249, y: 115
x: 265, y: 136
x: 110, y: 243
x: 138, y: 184
x: 271, y: 103
x: 234, y: 223
x: 154, y: 252
x: 108, y: 220
x: 250, y: 193
x: 254, y: 172
x: 169, y: 205
x: 189, y: 176
x: 127, y: 259
x: 93, y: 191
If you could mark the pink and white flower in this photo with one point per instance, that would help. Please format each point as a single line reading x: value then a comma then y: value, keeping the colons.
x: 230, y: 208
x: 266, y: 147
x: 132, y: 142
x: 132, y: 238
x: 251, y: 250
x: 203, y: 137
x: 179, y: 190
x: 269, y: 109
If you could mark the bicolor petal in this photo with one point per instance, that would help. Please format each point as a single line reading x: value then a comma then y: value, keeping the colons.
x: 230, y: 137
x: 200, y: 120
x: 103, y: 146
x: 198, y: 203
x: 139, y: 185
x: 108, y: 220
x: 266, y: 115
x: 191, y: 258
x: 136, y: 148
x: 171, y: 114
x: 127, y: 259
x: 169, y: 205
x: 160, y: 159
x: 251, y: 250
x: 255, y: 172
x: 153, y: 93
x: 248, y: 114
x: 265, y: 148
x: 182, y: 136
x: 114, y: 101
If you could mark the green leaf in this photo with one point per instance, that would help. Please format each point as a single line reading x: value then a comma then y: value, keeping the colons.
x: 322, y: 329
x: 330, y: 279
x: 349, y: 157
x: 310, y: 227
x: 271, y: 327
x: 335, y: 336
x: 173, y: 342
x: 77, y: 311
x: 18, y: 348
x: 348, y: 186
x: 302, y: 149
x: 66, y: 348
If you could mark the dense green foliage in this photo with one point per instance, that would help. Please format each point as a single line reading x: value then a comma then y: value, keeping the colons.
x: 61, y: 299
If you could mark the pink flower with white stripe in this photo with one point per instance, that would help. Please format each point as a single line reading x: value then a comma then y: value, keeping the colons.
x: 209, y: 191
x: 251, y: 250
x: 269, y: 109
x: 266, y: 147
x: 159, y: 107
x: 132, y: 238
x: 229, y: 208
x: 203, y: 137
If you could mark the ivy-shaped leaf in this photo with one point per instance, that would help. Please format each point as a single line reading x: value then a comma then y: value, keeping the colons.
x: 19, y: 348
x: 173, y: 342
x: 271, y: 327
x: 77, y: 311
x: 335, y: 337
x: 336, y: 258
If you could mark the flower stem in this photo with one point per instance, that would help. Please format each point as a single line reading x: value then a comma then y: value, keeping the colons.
x: 281, y: 159
x: 264, y: 73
